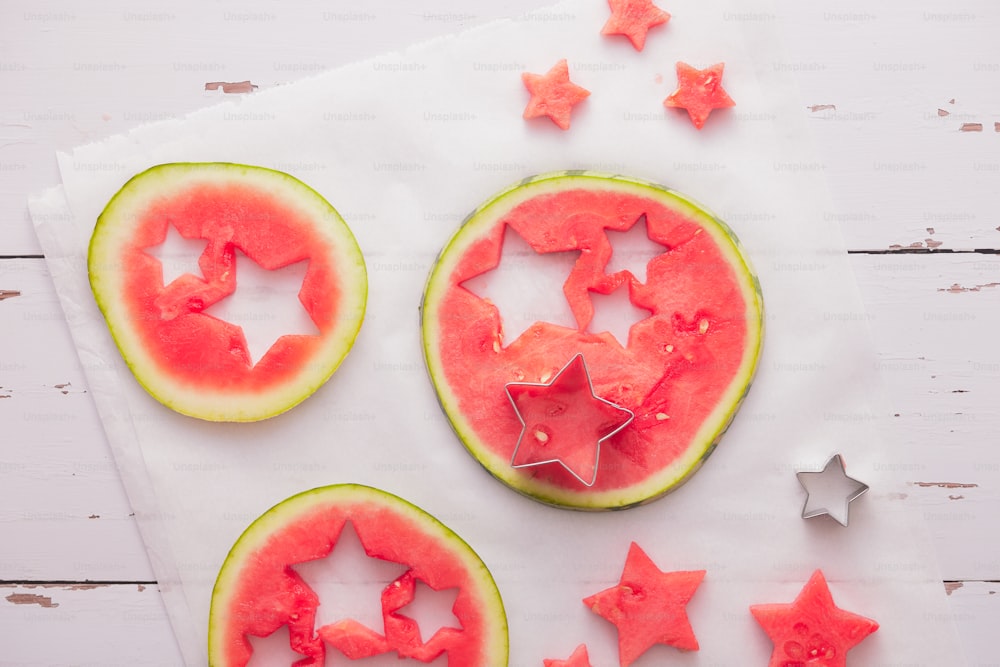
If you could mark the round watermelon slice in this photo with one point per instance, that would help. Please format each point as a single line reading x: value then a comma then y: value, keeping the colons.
x: 258, y: 592
x: 192, y: 360
x: 682, y: 372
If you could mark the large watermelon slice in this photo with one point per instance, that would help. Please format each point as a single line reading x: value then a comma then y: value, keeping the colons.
x: 683, y: 371
x: 187, y: 358
x: 258, y: 593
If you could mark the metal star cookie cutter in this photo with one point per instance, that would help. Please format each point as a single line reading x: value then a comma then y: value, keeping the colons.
x: 821, y: 482
x: 627, y: 416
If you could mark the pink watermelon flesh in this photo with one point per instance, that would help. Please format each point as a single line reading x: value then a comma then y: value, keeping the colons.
x: 811, y: 631
x: 553, y: 94
x: 634, y: 18
x: 564, y: 421
x: 579, y: 658
x: 258, y: 592
x: 699, y: 92
x: 648, y: 606
x: 675, y: 370
x: 206, y: 212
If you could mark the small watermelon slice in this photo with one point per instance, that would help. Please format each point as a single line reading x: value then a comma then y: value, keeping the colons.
x: 699, y: 91
x: 186, y: 358
x: 648, y: 606
x: 257, y: 591
x: 683, y: 371
x: 811, y: 631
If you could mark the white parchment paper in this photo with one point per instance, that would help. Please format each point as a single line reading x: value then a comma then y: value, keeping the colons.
x: 404, y: 146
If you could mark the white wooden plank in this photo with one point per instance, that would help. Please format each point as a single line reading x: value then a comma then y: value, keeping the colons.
x: 63, y: 512
x: 85, y: 624
x: 975, y: 608
x: 932, y: 320
x: 900, y: 174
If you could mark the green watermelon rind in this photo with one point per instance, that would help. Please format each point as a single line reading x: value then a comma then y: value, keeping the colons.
x: 112, y: 229
x: 712, y: 430
x: 257, y: 533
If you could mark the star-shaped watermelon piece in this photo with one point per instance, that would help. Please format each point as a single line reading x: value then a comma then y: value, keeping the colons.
x: 812, y: 630
x: 564, y: 421
x: 579, y: 658
x: 699, y: 91
x: 648, y: 606
x: 553, y: 94
x: 634, y: 18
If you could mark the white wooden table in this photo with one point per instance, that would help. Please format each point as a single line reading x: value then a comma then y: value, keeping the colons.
x: 905, y: 104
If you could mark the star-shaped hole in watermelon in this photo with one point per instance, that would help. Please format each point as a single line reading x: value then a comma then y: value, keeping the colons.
x: 553, y: 94
x: 526, y: 286
x: 812, y: 630
x: 178, y: 255
x: 274, y: 649
x: 564, y: 422
x: 648, y: 606
x: 265, y: 305
x: 432, y: 610
x: 615, y: 313
x: 356, y: 590
x: 699, y: 91
x: 634, y: 18
x: 632, y: 250
x: 349, y: 582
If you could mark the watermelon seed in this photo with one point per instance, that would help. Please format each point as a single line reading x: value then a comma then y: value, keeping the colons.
x: 703, y: 325
x: 662, y: 416
x: 669, y: 348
